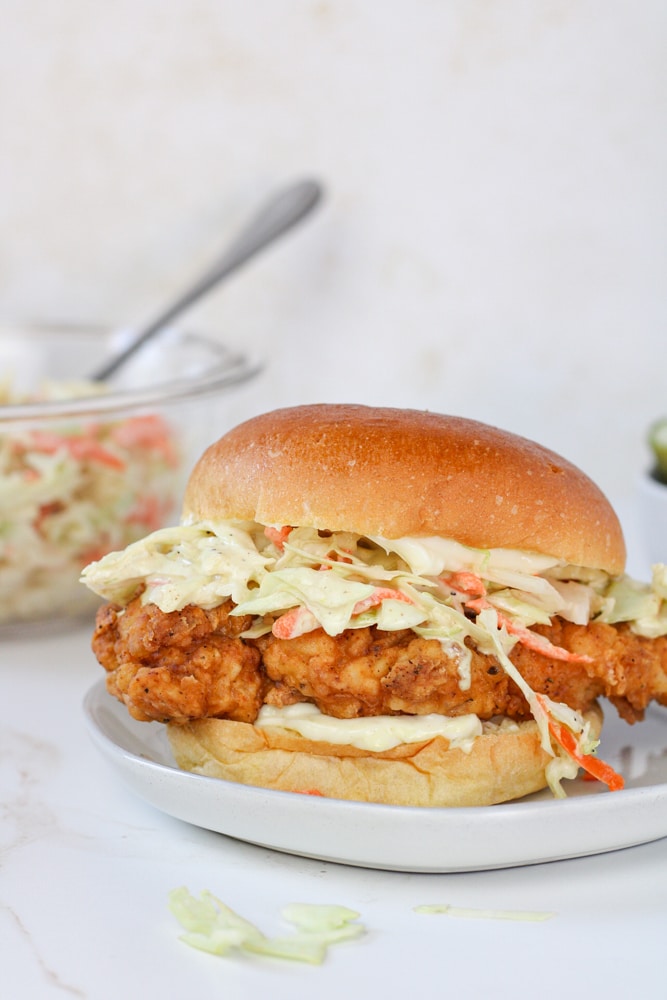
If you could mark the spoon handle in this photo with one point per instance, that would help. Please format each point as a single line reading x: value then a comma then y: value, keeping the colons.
x: 279, y: 214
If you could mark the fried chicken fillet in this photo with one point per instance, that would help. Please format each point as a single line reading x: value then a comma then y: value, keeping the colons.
x: 192, y: 664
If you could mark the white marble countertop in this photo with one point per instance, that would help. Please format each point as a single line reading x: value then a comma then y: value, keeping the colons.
x: 87, y: 867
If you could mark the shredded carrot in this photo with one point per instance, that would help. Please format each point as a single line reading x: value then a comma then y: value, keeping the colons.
x: 278, y: 536
x: 92, y: 451
x: 46, y: 441
x: 294, y: 622
x: 529, y: 639
x: 593, y: 766
x: 465, y: 583
x: 45, y: 511
x: 82, y: 448
x: 336, y: 557
x: 54, y: 507
x: 148, y: 432
x: 380, y: 594
x: 310, y: 791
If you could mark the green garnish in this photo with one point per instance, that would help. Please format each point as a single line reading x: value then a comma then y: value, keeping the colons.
x: 657, y: 439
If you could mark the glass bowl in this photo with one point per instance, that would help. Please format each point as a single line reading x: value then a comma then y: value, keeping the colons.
x: 85, y: 468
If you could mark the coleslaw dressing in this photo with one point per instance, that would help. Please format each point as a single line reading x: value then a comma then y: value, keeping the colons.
x: 373, y: 732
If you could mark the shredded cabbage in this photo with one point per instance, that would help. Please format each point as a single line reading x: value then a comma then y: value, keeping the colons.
x: 210, y: 925
x: 192, y: 564
x: 205, y: 563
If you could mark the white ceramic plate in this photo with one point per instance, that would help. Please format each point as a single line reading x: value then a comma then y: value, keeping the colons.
x: 538, y: 828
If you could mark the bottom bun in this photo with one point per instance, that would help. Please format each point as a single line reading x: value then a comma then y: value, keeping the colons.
x: 502, y: 764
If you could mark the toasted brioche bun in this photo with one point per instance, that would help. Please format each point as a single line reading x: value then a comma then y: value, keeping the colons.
x: 500, y: 766
x: 398, y: 473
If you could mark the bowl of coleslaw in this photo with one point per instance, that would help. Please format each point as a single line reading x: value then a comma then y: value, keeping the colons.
x: 86, y: 468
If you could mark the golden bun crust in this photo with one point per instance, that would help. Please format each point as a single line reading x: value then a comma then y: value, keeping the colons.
x: 500, y: 767
x: 397, y: 473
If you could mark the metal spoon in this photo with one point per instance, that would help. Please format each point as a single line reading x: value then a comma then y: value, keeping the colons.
x: 279, y: 214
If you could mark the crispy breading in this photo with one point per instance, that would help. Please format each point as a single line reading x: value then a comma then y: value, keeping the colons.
x: 183, y: 665
x: 193, y: 664
x: 368, y: 672
x: 630, y: 670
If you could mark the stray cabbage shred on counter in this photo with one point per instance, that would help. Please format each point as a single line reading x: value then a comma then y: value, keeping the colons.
x: 210, y: 925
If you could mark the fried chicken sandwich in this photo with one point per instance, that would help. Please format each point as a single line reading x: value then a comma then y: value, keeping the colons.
x: 383, y: 605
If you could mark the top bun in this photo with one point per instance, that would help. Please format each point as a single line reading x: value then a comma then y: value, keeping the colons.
x: 396, y: 473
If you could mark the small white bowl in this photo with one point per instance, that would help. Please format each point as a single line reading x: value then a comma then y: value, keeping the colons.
x: 83, y: 472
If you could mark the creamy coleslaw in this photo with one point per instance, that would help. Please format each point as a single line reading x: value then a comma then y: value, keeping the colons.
x: 71, y: 491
